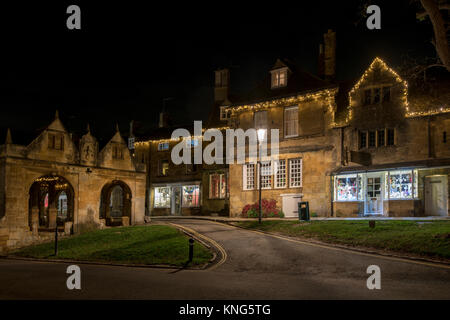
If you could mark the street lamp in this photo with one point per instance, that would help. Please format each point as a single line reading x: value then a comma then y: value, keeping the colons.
x: 261, y: 137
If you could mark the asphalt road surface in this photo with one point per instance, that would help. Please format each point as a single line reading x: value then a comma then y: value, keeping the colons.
x: 258, y: 266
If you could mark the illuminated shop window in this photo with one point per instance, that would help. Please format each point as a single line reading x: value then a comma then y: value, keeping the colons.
x: 348, y: 188
x: 217, y: 186
x: 191, y: 196
x: 401, y: 184
x: 162, y: 197
x: 163, y: 146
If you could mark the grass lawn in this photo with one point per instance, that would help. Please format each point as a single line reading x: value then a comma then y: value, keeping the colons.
x: 424, y: 238
x: 157, y: 244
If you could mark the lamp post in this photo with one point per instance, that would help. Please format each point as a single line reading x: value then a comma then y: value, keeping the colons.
x: 261, y: 136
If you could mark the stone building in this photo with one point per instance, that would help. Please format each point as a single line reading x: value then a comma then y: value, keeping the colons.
x: 302, y: 107
x: 185, y: 189
x: 374, y: 147
x: 395, y: 157
x: 55, y: 182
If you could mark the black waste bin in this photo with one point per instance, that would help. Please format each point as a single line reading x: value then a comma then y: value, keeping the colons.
x: 303, y: 211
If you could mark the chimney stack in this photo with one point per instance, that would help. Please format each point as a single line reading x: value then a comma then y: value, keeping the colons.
x: 330, y: 55
x: 321, y: 63
x: 222, y: 82
x: 163, y: 119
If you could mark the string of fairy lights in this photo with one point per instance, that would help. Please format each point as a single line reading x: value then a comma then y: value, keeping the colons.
x: 326, y: 95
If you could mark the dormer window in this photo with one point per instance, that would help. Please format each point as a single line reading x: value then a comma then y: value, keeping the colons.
x: 224, y: 113
x: 279, y: 78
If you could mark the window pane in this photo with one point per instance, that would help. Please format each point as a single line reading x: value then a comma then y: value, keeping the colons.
x: 362, y: 139
x: 386, y: 94
x: 249, y: 176
x: 291, y: 121
x: 390, y: 137
x: 347, y: 188
x: 372, y: 139
x: 266, y: 175
x: 295, y: 172
x: 191, y: 196
x: 376, y: 95
x: 261, y: 120
x: 381, y: 142
x: 280, y: 174
x: 400, y: 185
x: 367, y: 96
x: 162, y: 197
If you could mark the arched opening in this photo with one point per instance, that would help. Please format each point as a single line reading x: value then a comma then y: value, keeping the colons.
x: 115, y: 204
x: 50, y: 203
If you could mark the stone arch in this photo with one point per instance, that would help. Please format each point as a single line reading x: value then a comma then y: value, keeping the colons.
x: 115, y: 203
x: 44, y: 195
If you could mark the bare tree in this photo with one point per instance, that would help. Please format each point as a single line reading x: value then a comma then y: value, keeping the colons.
x: 438, y: 12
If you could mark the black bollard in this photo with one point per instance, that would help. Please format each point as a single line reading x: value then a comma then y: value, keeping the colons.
x: 56, y: 240
x: 372, y: 223
x: 191, y: 249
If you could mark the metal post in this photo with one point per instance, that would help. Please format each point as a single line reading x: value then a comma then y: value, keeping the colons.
x: 56, y: 239
x: 260, y: 208
x: 191, y: 249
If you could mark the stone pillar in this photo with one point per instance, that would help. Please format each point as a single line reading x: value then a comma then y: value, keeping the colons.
x: 35, y: 220
x: 125, y: 221
x: 52, y: 213
x: 68, y: 227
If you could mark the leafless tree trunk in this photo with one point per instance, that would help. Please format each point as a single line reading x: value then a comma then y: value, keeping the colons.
x: 440, y: 42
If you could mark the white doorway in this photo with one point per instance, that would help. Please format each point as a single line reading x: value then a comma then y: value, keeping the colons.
x: 436, y: 195
x: 290, y: 204
x: 374, y: 193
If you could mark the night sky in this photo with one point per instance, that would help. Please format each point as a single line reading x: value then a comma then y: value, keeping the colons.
x: 128, y: 57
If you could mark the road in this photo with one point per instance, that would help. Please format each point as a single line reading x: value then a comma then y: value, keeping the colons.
x: 258, y: 266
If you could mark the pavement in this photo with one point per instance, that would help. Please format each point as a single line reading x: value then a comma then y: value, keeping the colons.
x: 253, y: 266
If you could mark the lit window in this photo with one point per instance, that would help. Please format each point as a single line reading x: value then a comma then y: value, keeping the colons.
x: 347, y: 188
x: 224, y: 113
x: 163, y: 167
x: 191, y: 196
x: 162, y: 146
x: 400, y: 184
x: 266, y: 175
x: 295, y: 173
x: 279, y: 78
x: 280, y: 174
x: 192, y: 142
x: 217, y: 186
x: 248, y: 176
x: 162, y: 197
x: 290, y: 122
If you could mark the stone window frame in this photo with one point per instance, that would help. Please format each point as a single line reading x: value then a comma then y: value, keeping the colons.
x: 280, y: 173
x: 276, y: 79
x: 53, y: 138
x: 266, y: 179
x: 294, y: 121
x: 220, y: 185
x: 296, y: 177
x: 248, y: 179
x: 224, y: 113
